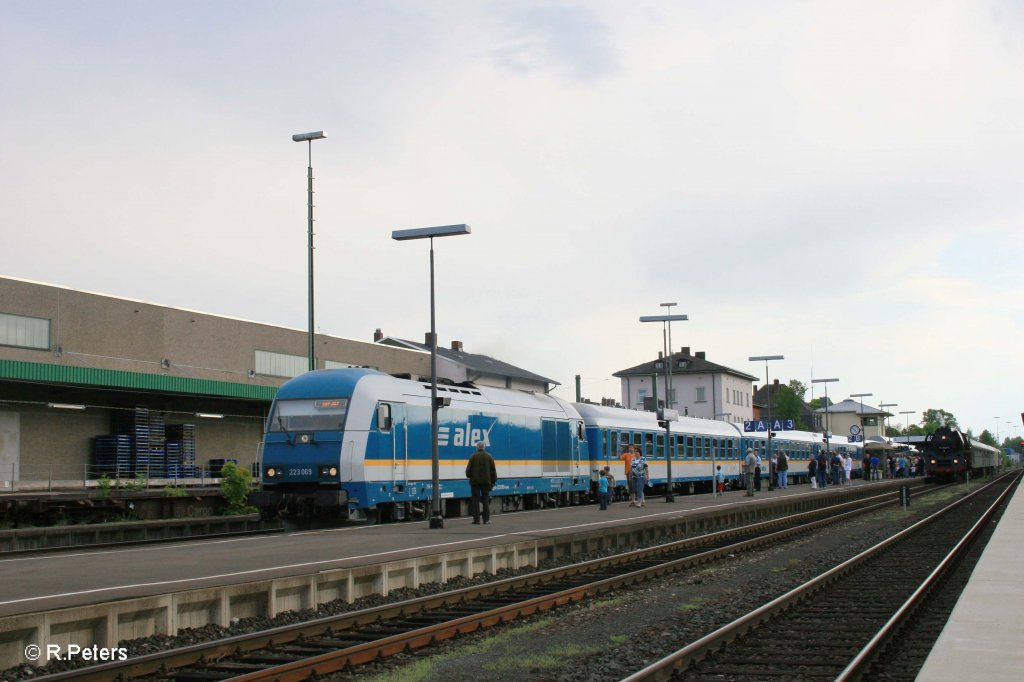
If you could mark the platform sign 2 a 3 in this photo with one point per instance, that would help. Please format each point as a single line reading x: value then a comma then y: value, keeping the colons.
x: 761, y: 425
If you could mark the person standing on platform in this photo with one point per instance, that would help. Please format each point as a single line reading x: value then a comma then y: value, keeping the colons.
x: 782, y: 467
x: 749, y: 464
x: 876, y: 473
x: 482, y: 475
x: 640, y: 475
x: 627, y: 460
x: 847, y: 469
x: 822, y: 469
x: 720, y: 480
x: 865, y: 467
x: 812, y: 472
x: 602, y: 490
x: 757, y: 473
x: 611, y: 483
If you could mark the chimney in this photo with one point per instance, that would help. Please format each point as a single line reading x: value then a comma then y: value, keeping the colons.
x: 686, y: 350
x: 776, y: 385
x: 378, y: 335
x: 660, y: 355
x: 428, y: 340
x: 457, y: 346
x: 700, y: 355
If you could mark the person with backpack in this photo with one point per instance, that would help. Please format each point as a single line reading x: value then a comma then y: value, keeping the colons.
x: 782, y: 468
x: 812, y: 472
x: 639, y: 474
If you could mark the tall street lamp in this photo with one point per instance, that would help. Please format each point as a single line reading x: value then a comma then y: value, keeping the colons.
x: 436, y: 520
x: 308, y: 138
x: 669, y: 414
x: 908, y: 413
x: 863, y: 440
x: 997, y: 428
x: 886, y: 418
x: 771, y: 460
x: 828, y: 435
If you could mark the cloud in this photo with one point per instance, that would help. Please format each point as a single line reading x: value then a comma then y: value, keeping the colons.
x: 569, y: 41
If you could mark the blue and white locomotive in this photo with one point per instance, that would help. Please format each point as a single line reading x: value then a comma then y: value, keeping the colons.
x: 355, y: 443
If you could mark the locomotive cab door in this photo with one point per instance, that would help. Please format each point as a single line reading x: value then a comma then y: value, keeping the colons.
x: 392, y: 428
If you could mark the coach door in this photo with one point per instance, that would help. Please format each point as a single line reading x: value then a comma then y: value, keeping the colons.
x: 394, y: 441
x: 560, y: 451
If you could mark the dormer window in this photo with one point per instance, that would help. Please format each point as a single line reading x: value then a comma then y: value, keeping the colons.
x: 659, y: 365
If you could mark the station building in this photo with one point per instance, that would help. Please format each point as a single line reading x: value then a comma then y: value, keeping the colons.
x: 700, y: 388
x: 72, y: 363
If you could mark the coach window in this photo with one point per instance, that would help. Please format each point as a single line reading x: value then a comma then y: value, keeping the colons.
x: 660, y: 446
x: 680, y: 447
x: 649, y: 445
x: 638, y: 440
x: 579, y: 431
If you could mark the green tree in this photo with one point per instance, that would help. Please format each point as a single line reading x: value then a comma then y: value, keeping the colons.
x: 798, y: 387
x: 819, y: 403
x: 988, y: 439
x: 789, y: 406
x: 933, y: 419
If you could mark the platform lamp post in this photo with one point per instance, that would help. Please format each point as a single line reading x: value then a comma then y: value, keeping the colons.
x: 862, y: 437
x: 886, y: 418
x: 668, y: 414
x: 739, y: 442
x: 997, y: 428
x: 908, y: 413
x: 436, y: 520
x: 308, y: 138
x: 828, y: 436
x: 771, y: 461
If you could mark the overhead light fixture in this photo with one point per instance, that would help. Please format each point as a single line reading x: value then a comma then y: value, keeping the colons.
x: 65, y: 406
x: 209, y: 415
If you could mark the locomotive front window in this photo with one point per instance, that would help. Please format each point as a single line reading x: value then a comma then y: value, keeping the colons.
x: 320, y: 414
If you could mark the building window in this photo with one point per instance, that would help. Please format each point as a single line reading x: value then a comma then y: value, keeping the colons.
x: 700, y: 395
x: 280, y: 364
x: 641, y: 396
x: 24, y: 332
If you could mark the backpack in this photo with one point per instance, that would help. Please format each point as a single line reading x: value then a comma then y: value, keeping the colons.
x: 637, y: 468
x: 611, y: 480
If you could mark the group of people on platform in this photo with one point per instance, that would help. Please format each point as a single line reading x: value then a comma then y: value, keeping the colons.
x: 828, y: 468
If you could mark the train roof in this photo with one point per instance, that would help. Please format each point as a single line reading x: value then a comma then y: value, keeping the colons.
x: 328, y: 383
x: 621, y: 418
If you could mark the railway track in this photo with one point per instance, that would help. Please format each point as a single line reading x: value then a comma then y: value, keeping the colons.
x: 841, y: 624
x: 331, y: 644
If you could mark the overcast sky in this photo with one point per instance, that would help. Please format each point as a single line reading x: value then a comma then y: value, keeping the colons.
x: 838, y: 182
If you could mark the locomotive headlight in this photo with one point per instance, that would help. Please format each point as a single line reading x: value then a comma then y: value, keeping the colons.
x: 956, y: 461
x: 327, y: 470
x: 271, y: 472
x: 933, y: 461
x: 334, y: 471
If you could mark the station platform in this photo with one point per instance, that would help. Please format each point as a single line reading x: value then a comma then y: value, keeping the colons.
x: 80, y: 578
x: 982, y: 639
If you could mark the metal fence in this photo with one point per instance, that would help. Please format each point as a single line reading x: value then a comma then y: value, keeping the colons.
x: 53, y: 477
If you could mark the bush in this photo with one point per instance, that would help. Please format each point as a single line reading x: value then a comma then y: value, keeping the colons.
x: 235, y: 484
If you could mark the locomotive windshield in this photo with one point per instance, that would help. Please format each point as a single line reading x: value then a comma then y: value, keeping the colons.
x: 319, y: 414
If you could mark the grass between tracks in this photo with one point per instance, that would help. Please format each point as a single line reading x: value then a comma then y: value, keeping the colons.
x: 548, y: 657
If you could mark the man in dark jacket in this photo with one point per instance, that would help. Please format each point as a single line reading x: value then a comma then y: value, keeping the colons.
x: 482, y: 476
